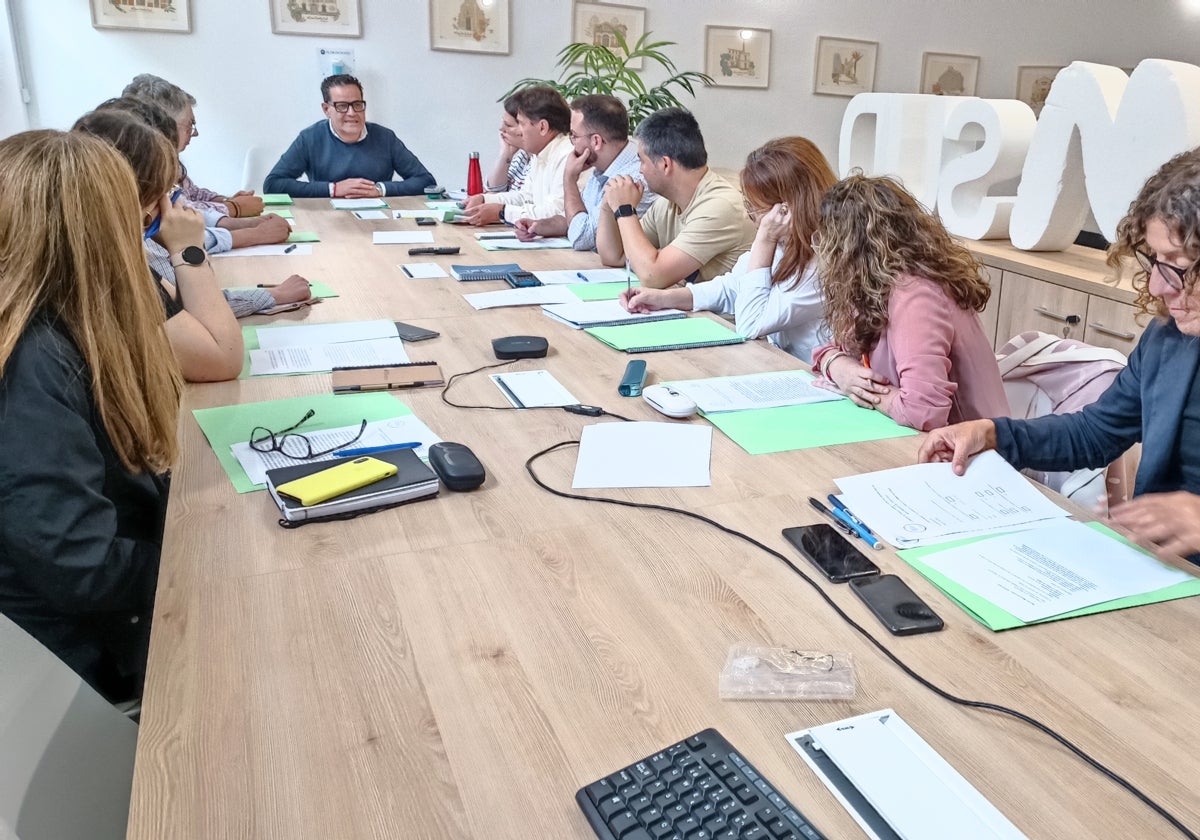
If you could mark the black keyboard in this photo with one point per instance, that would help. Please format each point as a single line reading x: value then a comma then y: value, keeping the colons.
x: 698, y: 789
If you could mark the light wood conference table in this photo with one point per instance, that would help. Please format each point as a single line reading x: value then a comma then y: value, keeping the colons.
x: 458, y: 668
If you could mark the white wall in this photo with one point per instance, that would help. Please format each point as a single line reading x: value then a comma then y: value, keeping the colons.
x: 259, y: 88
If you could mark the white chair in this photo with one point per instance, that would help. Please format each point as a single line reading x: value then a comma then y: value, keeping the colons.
x: 66, y: 755
x: 255, y: 167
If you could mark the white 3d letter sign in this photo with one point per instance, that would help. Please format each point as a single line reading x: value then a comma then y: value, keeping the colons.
x: 1101, y: 134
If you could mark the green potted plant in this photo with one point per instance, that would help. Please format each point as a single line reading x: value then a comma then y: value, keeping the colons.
x: 591, y: 68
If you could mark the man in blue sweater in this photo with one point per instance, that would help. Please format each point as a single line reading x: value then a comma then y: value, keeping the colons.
x: 344, y: 156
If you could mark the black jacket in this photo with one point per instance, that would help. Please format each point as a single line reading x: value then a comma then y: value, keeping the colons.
x: 80, y: 535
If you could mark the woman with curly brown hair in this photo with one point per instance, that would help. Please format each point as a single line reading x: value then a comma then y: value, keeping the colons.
x: 772, y: 290
x: 1155, y: 399
x: 902, y: 300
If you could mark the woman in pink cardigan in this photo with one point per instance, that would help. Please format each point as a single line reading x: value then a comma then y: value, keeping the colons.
x: 902, y: 300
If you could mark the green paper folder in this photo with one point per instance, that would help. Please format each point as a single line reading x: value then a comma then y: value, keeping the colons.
x: 303, y: 236
x: 230, y: 424
x: 599, y: 291
x: 281, y: 212
x: 994, y: 618
x: 276, y: 199
x: 680, y: 334
x: 764, y: 430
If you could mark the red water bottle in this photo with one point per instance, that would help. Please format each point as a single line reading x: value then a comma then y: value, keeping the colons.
x: 474, y: 175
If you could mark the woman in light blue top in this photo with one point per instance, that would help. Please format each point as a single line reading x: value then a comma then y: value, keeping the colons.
x: 772, y: 290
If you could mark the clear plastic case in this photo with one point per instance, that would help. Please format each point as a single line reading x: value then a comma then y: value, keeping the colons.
x: 758, y: 672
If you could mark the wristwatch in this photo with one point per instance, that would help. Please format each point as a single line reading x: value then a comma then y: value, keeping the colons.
x: 191, y: 255
x: 623, y: 211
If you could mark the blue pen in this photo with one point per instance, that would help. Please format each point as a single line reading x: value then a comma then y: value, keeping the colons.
x: 860, y: 528
x: 371, y: 450
x: 582, y: 276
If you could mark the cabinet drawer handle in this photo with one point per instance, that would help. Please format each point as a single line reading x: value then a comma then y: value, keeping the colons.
x: 1100, y: 328
x: 1066, y: 319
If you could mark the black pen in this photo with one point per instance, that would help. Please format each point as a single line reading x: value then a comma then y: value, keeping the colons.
x: 289, y: 249
x: 837, y: 523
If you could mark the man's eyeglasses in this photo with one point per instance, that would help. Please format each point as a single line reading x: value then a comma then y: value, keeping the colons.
x: 572, y: 136
x: 293, y: 444
x: 1172, y: 274
x: 359, y: 105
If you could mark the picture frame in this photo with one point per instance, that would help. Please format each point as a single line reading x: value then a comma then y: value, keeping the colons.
x: 949, y: 74
x: 596, y: 23
x: 319, y: 18
x: 1033, y: 84
x: 738, y: 56
x: 476, y: 26
x: 144, y: 16
x: 845, y: 67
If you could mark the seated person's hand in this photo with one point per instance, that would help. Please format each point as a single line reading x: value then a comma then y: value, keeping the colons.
x: 482, y: 214
x: 862, y: 385
x: 473, y: 201
x: 958, y: 443
x: 241, y: 193
x: 291, y: 290
x: 577, y: 163
x: 180, y: 227
x: 638, y: 299
x: 774, y: 224
x: 242, y: 205
x: 355, y: 188
x: 622, y: 189
x: 273, y: 229
x: 1166, y: 523
x: 526, y: 229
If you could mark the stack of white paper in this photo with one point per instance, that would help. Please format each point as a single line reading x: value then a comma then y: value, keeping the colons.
x: 525, y: 296
x: 357, y: 203
x: 644, y: 455
x: 308, y: 335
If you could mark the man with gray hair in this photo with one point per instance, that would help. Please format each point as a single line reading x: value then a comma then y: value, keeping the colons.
x: 696, y: 229
x: 223, y: 216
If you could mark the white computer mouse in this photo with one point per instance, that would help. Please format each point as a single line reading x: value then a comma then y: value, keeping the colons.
x: 666, y: 400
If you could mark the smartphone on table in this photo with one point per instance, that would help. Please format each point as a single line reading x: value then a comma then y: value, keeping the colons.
x: 834, y: 555
x: 900, y: 609
x: 337, y: 480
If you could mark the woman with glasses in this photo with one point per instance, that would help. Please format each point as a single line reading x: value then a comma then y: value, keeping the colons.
x: 772, y: 290
x: 1155, y: 400
x: 89, y: 398
x: 201, y: 327
x: 902, y: 299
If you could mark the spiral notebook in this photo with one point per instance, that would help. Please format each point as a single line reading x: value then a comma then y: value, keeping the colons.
x: 681, y: 334
x: 469, y: 273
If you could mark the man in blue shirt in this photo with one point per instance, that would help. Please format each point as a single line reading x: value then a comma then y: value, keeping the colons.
x: 344, y: 156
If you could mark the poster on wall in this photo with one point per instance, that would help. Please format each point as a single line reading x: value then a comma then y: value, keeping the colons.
x: 1033, y: 85
x: 600, y: 24
x: 469, y: 26
x: 737, y: 56
x: 845, y: 67
x: 325, y: 18
x: 143, y: 15
x: 946, y: 74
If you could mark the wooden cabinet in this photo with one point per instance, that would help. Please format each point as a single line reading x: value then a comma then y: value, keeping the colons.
x: 1113, y: 324
x: 1029, y: 304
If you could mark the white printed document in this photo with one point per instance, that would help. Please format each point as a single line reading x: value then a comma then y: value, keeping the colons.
x: 402, y: 237
x: 380, y: 433
x: 507, y: 244
x: 756, y: 390
x: 533, y: 389
x: 325, y: 357
x: 311, y: 335
x: 357, y: 203
x: 370, y: 215
x: 525, y: 296
x: 1053, y: 570
x: 644, y: 455
x: 281, y: 250
x: 570, y: 276
x: 925, y: 504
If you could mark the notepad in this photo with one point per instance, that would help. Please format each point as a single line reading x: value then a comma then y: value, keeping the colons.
x: 423, y: 271
x: 468, y: 273
x: 276, y: 199
x: 605, y: 313
x: 585, y: 277
x: 680, y: 334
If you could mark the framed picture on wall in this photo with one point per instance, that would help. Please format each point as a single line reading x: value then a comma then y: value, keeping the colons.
x: 1033, y: 85
x: 143, y: 15
x: 845, y: 67
x: 737, y: 56
x: 947, y: 74
x: 479, y: 26
x: 603, y: 24
x: 324, y: 18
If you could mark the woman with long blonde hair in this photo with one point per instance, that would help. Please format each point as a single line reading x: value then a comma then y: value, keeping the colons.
x: 772, y: 290
x: 902, y: 300
x: 89, y: 398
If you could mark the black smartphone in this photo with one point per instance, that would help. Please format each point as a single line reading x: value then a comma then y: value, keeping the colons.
x: 902, y: 612
x: 408, y: 332
x: 521, y: 279
x: 829, y: 551
x: 425, y: 220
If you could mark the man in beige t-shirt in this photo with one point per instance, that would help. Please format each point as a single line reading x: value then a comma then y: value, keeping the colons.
x: 696, y: 229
